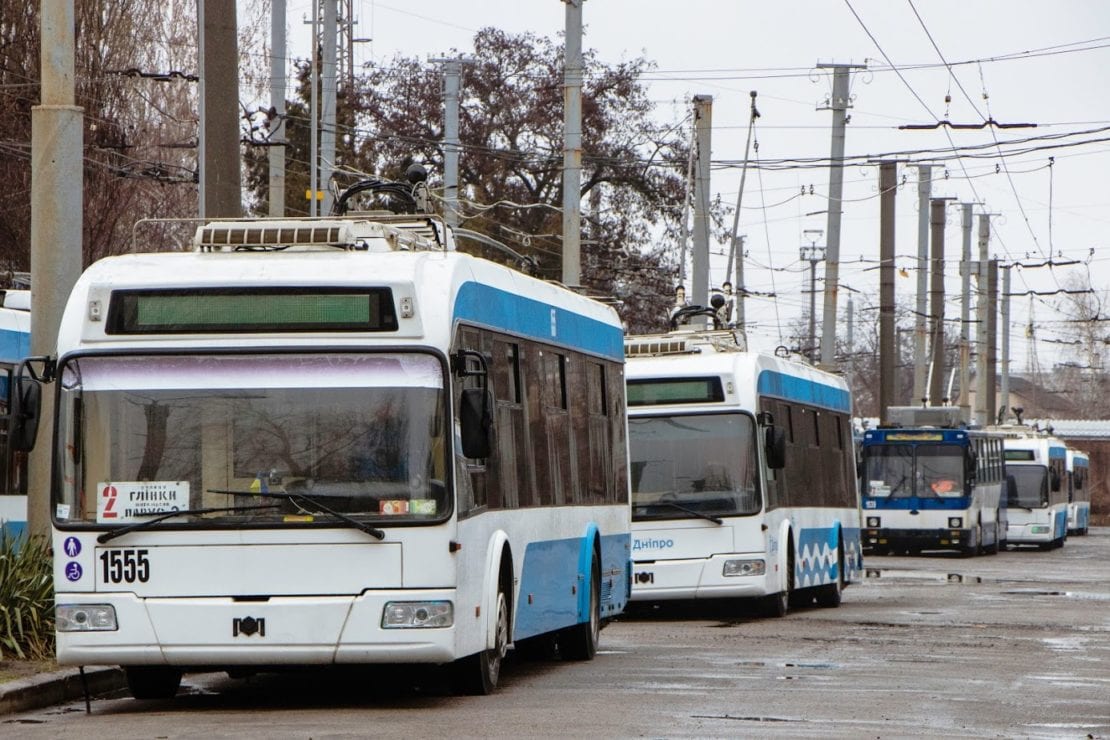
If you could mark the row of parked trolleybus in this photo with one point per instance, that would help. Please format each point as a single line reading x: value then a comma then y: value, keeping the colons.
x: 928, y: 482
x: 344, y: 441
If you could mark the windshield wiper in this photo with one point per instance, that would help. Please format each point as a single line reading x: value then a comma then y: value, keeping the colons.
x: 680, y: 507
x: 108, y: 536
x: 315, y: 501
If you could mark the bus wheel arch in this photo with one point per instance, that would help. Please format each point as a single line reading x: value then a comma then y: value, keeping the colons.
x: 480, y: 672
x: 580, y: 641
x: 777, y: 604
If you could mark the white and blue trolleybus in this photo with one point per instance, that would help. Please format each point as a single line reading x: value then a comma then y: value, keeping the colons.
x: 1038, y: 497
x: 335, y: 441
x: 1079, y: 492
x: 742, y: 471
x: 15, y: 345
x: 930, y: 483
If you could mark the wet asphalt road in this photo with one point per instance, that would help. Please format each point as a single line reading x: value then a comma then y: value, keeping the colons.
x: 1009, y: 645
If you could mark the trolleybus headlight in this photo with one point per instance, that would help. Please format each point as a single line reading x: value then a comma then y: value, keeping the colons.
x: 402, y: 614
x: 1038, y: 529
x: 874, y: 521
x: 743, y: 568
x: 955, y: 522
x: 85, y: 618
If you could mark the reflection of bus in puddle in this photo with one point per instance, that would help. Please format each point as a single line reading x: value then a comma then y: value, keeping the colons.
x: 893, y: 574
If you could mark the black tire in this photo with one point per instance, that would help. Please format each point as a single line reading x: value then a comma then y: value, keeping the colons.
x: 478, y: 674
x: 153, y: 681
x: 996, y: 546
x: 777, y: 605
x: 580, y: 641
x: 976, y: 546
x: 830, y: 595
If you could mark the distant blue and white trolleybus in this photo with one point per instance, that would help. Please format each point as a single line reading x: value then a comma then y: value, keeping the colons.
x: 1079, y: 492
x: 337, y: 441
x: 928, y: 483
x: 15, y: 345
x: 742, y: 468
x: 1038, y: 498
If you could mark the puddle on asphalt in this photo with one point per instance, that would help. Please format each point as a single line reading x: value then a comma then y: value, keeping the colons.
x: 1080, y: 595
x: 898, y: 574
x: 740, y: 718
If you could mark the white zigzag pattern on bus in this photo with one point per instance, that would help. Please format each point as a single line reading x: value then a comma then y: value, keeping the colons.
x: 815, y: 565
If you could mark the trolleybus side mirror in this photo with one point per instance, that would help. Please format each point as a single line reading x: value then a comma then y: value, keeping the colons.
x: 26, y: 400
x: 475, y: 420
x: 775, y: 444
x: 1011, y: 488
x: 26, y: 405
x: 1054, y: 479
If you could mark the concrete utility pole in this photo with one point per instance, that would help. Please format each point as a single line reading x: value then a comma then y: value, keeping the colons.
x: 839, y: 105
x: 888, y: 187
x: 920, y: 366
x: 703, y: 122
x: 812, y: 254
x: 572, y: 146
x: 328, y: 81
x: 992, y: 332
x: 982, y: 337
x: 965, y: 315
x: 1004, y: 391
x: 314, y: 116
x: 57, y: 156
x: 936, y: 313
x: 452, y: 73
x: 277, y: 102
x: 220, y: 188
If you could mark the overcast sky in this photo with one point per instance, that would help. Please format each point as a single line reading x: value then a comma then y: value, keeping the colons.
x: 1016, y: 61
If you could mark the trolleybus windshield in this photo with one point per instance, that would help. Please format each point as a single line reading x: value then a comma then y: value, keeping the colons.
x: 693, y: 465
x: 1031, y: 489
x: 922, y: 470
x: 315, y: 436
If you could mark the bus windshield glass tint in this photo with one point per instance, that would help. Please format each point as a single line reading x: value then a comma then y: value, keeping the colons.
x: 705, y: 463
x: 924, y: 471
x: 1032, y: 485
x: 360, y: 434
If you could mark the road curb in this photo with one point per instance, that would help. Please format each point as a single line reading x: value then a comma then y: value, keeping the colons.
x: 48, y: 689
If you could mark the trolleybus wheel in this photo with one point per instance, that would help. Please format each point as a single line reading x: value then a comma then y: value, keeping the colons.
x: 477, y: 674
x: 975, y: 547
x: 153, y: 681
x: 580, y: 641
x: 777, y: 605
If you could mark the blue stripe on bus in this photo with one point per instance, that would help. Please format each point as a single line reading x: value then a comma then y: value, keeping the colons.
x: 1057, y: 452
x: 878, y: 503
x: 803, y: 390
x: 500, y: 309
x: 1060, y: 524
x: 14, y: 345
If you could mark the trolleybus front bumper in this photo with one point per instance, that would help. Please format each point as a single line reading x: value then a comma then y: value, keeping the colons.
x: 286, y: 630
x: 883, y: 540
